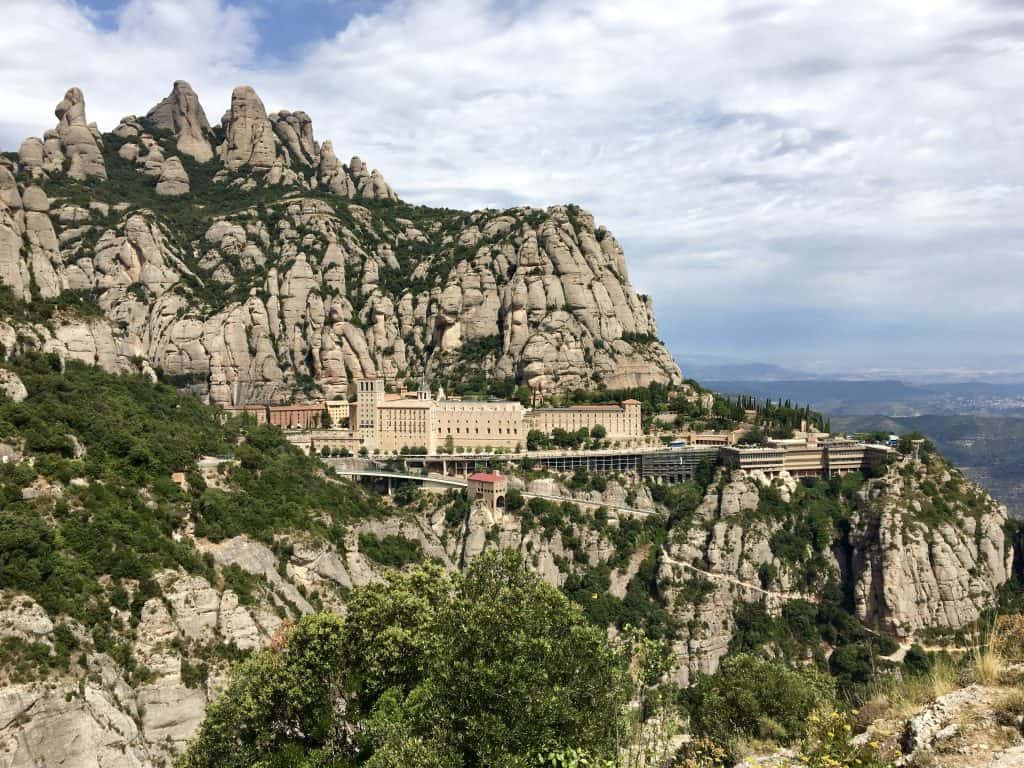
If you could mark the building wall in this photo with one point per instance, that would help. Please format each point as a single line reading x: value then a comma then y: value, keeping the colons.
x: 303, y: 416
x: 804, y: 461
x: 480, y: 424
x: 369, y: 394
x: 406, y: 424
x: 768, y: 460
x: 339, y: 411
x: 805, y: 458
x: 621, y: 422
x: 258, y: 412
x: 492, y: 493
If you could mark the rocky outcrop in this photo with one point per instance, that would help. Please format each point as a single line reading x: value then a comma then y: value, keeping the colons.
x: 714, y: 563
x: 249, y: 134
x: 295, y: 132
x: 11, y: 386
x: 73, y: 146
x: 183, y: 115
x: 308, y: 286
x: 546, y: 291
x: 173, y: 179
x: 97, y: 719
x: 908, y: 572
x: 915, y: 566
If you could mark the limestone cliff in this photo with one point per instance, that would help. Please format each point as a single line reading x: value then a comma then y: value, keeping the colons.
x: 920, y: 548
x: 99, y: 716
x: 248, y: 260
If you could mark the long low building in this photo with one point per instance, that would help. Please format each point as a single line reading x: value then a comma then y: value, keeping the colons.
x: 805, y: 457
x: 620, y: 421
x: 421, y: 421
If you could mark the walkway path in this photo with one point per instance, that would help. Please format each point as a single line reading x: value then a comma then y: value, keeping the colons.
x: 773, y: 595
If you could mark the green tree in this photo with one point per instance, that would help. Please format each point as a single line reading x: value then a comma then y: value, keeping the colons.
x: 752, y: 697
x: 491, y: 668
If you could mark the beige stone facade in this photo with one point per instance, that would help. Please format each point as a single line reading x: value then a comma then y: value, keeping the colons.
x: 388, y: 422
x: 621, y: 422
x: 369, y: 394
x: 406, y: 423
x: 338, y: 410
x: 805, y: 457
x: 473, y: 424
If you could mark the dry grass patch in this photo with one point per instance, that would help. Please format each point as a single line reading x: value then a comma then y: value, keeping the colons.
x: 1008, y: 637
x: 898, y: 698
x: 1010, y: 706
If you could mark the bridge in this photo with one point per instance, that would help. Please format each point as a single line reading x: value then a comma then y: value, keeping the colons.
x: 442, y: 481
x: 391, y: 477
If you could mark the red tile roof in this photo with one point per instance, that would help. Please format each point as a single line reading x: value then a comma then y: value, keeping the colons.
x: 487, y: 477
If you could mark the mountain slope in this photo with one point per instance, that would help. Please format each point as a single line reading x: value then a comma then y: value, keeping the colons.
x: 126, y: 590
x: 247, y: 259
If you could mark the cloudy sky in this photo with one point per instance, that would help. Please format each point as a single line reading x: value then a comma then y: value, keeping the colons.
x: 827, y: 185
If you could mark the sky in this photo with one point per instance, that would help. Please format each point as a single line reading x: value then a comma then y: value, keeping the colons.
x: 831, y: 186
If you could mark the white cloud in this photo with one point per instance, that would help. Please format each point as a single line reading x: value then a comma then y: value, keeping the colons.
x: 810, y: 155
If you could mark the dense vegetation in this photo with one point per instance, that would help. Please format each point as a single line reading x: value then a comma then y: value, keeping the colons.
x: 490, y: 668
x: 86, y: 523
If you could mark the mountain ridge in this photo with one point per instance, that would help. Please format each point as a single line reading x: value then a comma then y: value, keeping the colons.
x: 246, y: 258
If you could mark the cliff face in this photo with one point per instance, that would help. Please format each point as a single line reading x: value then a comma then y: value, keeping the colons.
x: 929, y: 549
x: 103, y: 716
x: 923, y: 549
x: 247, y: 259
x: 100, y: 716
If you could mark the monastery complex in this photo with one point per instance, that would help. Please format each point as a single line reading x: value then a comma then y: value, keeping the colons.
x: 422, y: 421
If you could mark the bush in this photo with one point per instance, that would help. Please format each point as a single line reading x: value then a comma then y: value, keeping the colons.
x: 490, y: 668
x: 755, y: 698
x: 392, y: 550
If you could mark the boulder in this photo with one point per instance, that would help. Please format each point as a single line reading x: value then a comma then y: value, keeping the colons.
x: 173, y: 179
x: 11, y: 386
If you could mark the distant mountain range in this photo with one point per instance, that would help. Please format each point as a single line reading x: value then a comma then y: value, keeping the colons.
x: 715, y: 367
x: 978, y: 425
x: 887, y: 397
x: 989, y: 449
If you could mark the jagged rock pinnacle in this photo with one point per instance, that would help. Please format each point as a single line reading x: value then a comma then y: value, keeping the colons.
x: 183, y: 115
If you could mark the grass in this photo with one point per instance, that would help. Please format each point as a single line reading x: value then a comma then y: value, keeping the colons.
x: 987, y: 666
x: 897, y: 698
x: 1011, y: 704
x: 988, y: 659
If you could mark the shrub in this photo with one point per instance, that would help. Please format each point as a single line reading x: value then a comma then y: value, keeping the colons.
x: 490, y: 668
x: 752, y: 697
x: 390, y: 550
x: 828, y: 743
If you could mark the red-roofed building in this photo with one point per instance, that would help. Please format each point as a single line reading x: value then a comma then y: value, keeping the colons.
x: 489, y: 486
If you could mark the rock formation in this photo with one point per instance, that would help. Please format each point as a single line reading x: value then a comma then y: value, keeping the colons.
x: 313, y: 285
x: 913, y: 568
x: 73, y: 143
x: 907, y: 572
x: 183, y: 115
x: 173, y: 179
x: 249, y: 134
